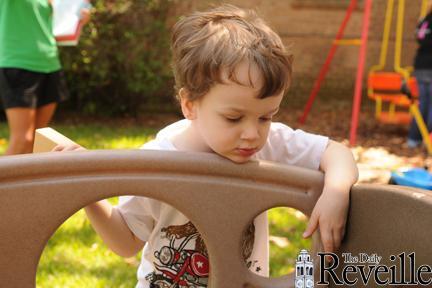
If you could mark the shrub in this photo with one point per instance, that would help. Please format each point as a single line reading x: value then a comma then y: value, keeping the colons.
x: 121, y: 65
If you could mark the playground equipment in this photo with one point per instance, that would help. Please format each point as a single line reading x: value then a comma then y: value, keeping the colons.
x: 39, y: 192
x: 360, y: 66
x: 413, y: 177
x: 386, y: 87
x: 396, y: 88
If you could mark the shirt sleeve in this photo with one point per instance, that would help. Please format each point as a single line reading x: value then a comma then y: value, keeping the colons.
x: 138, y: 213
x: 293, y: 147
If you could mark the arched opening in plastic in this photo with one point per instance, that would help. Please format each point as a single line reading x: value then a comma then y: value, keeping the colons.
x: 75, y: 256
x: 285, y: 241
x: 286, y: 226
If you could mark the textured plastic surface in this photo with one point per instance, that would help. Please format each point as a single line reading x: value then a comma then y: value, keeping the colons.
x: 39, y: 192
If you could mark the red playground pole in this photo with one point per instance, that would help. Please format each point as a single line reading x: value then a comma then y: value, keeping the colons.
x: 360, y: 70
x: 325, y: 67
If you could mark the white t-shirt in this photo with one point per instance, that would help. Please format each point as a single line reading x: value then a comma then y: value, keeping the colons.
x: 174, y: 251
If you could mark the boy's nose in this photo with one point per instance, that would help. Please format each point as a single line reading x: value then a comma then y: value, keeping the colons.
x: 250, y: 133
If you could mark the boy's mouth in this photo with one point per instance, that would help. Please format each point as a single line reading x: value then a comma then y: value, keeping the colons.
x: 246, y: 152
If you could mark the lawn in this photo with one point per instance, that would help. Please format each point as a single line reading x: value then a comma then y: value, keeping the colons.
x: 75, y: 255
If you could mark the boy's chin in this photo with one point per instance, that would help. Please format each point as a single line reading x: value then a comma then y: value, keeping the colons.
x: 237, y: 159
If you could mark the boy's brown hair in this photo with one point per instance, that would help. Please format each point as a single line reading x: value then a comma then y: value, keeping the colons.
x: 205, y: 43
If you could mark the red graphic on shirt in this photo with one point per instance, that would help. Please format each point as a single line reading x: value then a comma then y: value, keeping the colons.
x: 178, y: 266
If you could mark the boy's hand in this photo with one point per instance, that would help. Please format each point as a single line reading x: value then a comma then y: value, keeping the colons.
x: 62, y: 148
x: 331, y: 210
x: 330, y: 213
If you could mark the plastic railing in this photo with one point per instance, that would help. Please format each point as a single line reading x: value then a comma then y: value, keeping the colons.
x: 39, y: 192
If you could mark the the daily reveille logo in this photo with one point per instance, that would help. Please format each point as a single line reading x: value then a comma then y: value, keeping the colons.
x: 362, y: 269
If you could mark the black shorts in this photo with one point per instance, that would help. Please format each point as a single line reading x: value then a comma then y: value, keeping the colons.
x: 24, y: 88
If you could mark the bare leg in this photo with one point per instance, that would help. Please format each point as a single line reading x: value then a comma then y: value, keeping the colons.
x: 44, y: 115
x: 21, y: 123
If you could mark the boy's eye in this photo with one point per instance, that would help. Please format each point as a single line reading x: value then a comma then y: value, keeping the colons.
x: 233, y: 119
x: 265, y: 119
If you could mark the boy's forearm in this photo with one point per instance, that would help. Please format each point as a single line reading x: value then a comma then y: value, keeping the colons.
x: 339, y: 167
x: 111, y: 227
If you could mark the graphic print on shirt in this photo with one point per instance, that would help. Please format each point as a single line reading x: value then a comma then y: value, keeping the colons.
x: 178, y: 266
x: 247, y: 247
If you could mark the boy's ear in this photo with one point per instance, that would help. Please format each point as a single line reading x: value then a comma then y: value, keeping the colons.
x: 188, y: 106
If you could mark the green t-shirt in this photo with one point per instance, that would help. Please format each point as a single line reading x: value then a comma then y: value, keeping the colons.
x: 26, y: 38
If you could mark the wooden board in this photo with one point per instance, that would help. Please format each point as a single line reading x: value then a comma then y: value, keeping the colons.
x: 47, y: 138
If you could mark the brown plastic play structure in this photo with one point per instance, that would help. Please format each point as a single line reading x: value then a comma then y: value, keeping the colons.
x: 39, y: 192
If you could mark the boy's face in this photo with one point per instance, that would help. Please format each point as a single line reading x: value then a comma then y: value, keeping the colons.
x: 230, y: 121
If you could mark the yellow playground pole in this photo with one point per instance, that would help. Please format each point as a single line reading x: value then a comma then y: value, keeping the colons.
x: 383, y: 53
x: 385, y: 39
x: 398, y: 44
x: 424, y: 8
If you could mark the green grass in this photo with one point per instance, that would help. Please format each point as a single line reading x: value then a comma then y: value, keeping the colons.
x: 96, y: 136
x: 288, y: 225
x: 75, y: 255
x: 3, y: 137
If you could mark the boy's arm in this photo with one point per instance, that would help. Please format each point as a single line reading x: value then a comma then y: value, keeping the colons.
x: 331, y: 209
x: 339, y: 166
x: 111, y: 227
x: 108, y: 222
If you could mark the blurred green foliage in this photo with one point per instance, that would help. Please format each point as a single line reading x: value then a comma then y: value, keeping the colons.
x: 121, y: 66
